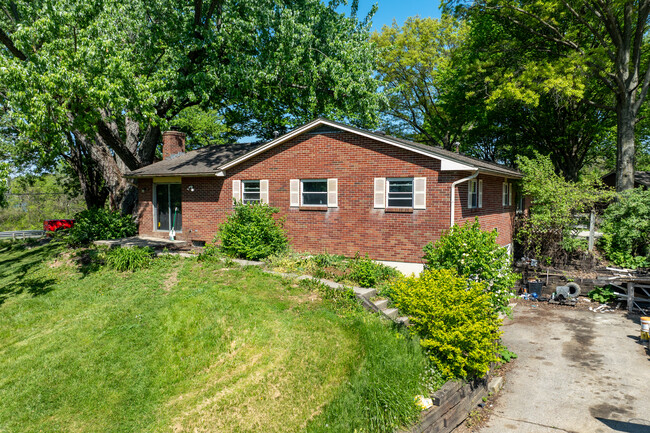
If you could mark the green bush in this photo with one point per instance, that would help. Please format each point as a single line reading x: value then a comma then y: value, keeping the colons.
x: 129, y: 258
x: 603, y: 294
x: 546, y: 231
x: 626, y: 228
x: 93, y: 224
x: 455, y: 321
x: 367, y: 273
x: 210, y: 253
x: 250, y: 232
x: 475, y: 255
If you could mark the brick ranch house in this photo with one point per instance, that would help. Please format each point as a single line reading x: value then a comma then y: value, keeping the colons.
x: 341, y: 190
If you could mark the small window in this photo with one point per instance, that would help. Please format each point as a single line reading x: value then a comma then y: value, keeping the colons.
x: 251, y: 191
x: 507, y: 194
x: 400, y: 193
x: 472, y: 200
x: 314, y: 192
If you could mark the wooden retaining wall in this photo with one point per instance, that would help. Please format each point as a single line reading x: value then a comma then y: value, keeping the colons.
x: 452, y: 404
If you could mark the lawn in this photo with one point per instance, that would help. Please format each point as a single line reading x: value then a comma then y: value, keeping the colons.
x: 191, y: 346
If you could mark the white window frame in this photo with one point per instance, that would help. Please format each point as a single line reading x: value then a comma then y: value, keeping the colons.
x: 475, y: 188
x: 388, y: 193
x: 244, y: 183
x: 302, y: 193
x: 506, y: 195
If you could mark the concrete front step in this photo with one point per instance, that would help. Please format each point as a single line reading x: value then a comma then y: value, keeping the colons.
x: 382, y: 304
x: 404, y: 320
x: 391, y: 312
x: 365, y: 293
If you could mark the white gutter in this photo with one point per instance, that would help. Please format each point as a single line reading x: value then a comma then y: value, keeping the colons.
x: 453, y: 195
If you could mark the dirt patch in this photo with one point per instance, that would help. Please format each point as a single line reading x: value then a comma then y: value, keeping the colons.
x: 171, y: 281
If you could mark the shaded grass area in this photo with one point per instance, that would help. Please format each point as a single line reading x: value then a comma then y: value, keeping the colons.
x: 189, y: 346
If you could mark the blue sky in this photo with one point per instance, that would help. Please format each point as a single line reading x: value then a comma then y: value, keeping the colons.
x: 399, y: 10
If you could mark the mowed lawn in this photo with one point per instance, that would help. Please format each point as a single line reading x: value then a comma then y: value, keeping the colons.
x: 182, y: 346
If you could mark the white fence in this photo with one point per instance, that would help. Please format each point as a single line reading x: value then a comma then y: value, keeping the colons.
x: 21, y: 234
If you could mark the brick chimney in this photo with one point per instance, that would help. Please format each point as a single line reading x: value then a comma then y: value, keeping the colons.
x: 173, y: 144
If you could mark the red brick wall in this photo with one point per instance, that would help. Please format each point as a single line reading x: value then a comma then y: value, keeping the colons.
x: 493, y: 214
x: 355, y: 226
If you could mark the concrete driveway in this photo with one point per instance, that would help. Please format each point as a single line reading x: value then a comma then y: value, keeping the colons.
x: 577, y: 371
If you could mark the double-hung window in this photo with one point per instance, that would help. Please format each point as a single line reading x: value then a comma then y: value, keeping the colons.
x: 313, y: 192
x: 167, y: 207
x: 507, y: 194
x: 475, y: 194
x: 399, y: 192
x: 251, y: 191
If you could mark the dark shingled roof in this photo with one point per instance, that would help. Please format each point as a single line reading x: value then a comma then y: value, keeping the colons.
x: 207, y: 160
x: 640, y: 178
x: 198, y: 162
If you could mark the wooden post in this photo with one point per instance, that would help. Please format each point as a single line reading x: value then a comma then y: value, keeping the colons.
x: 592, y: 230
x: 630, y: 296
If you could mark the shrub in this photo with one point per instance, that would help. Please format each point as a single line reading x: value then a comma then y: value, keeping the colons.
x: 555, y: 202
x: 367, y: 273
x: 603, y: 294
x: 626, y: 227
x: 457, y: 327
x: 250, y: 232
x: 475, y: 255
x: 129, y: 259
x: 210, y: 253
x: 93, y: 224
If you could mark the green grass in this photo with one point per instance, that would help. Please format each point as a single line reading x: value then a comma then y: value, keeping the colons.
x: 190, y: 346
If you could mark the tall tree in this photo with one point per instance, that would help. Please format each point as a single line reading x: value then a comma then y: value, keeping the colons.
x: 515, y: 109
x: 607, y: 39
x: 98, y: 81
x: 416, y: 68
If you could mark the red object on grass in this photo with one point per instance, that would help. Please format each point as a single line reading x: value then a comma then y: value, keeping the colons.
x: 54, y: 225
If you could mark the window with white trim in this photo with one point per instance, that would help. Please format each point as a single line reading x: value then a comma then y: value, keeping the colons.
x: 399, y: 192
x: 313, y: 192
x: 507, y: 194
x: 251, y: 191
x: 475, y: 194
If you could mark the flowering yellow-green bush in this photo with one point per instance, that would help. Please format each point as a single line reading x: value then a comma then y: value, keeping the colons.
x: 455, y: 320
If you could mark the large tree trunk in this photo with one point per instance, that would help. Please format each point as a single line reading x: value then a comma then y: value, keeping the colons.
x: 625, y: 119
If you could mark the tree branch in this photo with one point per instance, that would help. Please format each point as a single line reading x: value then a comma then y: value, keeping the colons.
x: 7, y: 42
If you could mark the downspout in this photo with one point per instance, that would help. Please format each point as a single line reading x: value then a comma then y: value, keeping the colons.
x: 453, y: 195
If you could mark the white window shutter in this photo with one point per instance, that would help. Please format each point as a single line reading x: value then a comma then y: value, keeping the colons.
x: 420, y: 193
x: 470, y: 189
x: 236, y: 190
x: 380, y: 193
x: 480, y: 193
x: 332, y: 193
x: 294, y: 193
x: 504, y: 194
x: 510, y: 194
x: 264, y: 191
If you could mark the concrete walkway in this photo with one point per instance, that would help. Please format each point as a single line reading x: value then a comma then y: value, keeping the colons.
x: 142, y: 241
x: 577, y: 371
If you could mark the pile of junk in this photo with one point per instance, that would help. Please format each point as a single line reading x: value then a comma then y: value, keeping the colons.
x: 565, y: 294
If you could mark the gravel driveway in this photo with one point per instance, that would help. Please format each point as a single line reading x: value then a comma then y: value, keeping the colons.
x: 577, y: 371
